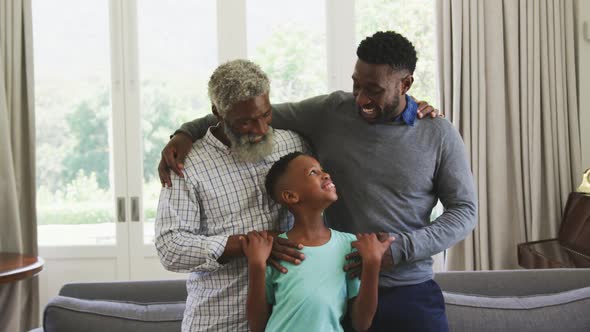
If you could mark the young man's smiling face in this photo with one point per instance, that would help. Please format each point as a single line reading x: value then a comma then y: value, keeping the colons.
x: 308, y: 182
x: 379, y: 91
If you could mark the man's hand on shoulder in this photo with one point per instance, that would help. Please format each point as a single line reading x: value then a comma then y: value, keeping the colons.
x: 284, y: 250
x: 387, y: 260
x: 427, y: 110
x: 233, y: 248
x: 173, y: 156
x: 371, y: 248
x: 354, y: 265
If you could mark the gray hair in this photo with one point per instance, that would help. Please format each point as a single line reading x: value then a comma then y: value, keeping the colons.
x: 236, y: 81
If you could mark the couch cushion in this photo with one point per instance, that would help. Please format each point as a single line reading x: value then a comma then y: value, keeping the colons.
x: 565, y: 311
x: 70, y: 314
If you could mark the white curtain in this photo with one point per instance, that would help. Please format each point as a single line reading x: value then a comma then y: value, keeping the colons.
x: 507, y: 78
x: 19, y: 301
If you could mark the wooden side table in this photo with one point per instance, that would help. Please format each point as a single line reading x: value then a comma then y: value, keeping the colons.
x: 14, y: 267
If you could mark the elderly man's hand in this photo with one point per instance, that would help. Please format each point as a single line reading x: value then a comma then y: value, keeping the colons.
x: 425, y: 109
x: 284, y: 250
x: 173, y: 157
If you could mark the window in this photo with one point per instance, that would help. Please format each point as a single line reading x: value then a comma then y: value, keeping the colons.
x: 96, y: 148
x: 114, y: 78
x: 413, y: 19
x: 73, y: 110
x: 288, y: 40
x: 177, y: 54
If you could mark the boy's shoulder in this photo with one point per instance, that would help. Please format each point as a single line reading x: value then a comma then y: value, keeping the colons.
x: 336, y: 234
x: 343, y: 236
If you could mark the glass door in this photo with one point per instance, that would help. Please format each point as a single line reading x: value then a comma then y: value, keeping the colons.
x: 80, y: 149
x: 174, y: 65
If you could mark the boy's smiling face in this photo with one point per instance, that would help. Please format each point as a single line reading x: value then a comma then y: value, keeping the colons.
x: 305, y: 181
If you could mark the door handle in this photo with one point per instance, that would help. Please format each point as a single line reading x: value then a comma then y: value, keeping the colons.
x: 135, y: 209
x: 120, y: 209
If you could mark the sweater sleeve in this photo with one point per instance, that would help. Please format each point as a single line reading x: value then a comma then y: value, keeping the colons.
x: 453, y: 183
x: 198, y: 127
x: 303, y: 117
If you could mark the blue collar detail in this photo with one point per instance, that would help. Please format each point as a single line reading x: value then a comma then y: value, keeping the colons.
x: 409, y: 113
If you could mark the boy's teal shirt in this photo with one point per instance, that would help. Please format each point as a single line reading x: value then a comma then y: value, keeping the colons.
x: 312, y: 296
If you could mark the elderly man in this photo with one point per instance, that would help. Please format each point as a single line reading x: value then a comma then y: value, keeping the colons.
x: 221, y: 196
x: 390, y: 171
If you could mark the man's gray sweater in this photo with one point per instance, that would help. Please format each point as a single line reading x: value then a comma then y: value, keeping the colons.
x: 388, y: 177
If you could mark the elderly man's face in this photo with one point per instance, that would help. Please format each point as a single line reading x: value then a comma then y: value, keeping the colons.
x: 250, y: 118
x: 247, y: 126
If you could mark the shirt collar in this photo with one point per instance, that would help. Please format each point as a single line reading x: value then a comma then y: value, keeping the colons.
x: 408, y: 115
x: 212, y: 140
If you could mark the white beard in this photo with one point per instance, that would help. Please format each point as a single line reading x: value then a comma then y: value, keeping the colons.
x: 245, y: 149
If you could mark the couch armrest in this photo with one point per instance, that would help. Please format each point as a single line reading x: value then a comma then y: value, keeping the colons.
x: 128, y: 291
x: 514, y: 282
x: 64, y: 314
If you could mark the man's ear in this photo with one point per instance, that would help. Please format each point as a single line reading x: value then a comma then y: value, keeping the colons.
x: 289, y: 197
x: 407, y: 83
x: 216, y: 113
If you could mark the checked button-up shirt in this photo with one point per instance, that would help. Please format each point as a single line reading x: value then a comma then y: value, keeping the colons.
x: 219, y: 196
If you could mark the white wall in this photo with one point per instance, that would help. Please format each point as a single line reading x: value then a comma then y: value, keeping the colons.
x: 583, y: 12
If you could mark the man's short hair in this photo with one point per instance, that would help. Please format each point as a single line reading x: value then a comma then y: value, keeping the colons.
x: 276, y: 171
x: 236, y: 81
x: 388, y: 47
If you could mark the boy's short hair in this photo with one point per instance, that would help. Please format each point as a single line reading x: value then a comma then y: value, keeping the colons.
x: 276, y: 171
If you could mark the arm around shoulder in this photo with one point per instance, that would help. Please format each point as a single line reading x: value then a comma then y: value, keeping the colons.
x: 198, y: 127
x: 304, y: 116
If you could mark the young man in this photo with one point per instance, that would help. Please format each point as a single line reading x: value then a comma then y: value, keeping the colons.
x: 315, y: 295
x: 391, y: 169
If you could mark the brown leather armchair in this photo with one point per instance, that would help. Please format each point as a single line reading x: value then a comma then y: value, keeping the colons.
x: 572, y: 246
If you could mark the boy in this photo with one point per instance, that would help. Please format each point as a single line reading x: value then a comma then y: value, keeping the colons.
x: 315, y: 294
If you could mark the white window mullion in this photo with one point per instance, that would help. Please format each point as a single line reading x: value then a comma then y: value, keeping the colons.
x: 231, y: 30
x: 340, y: 39
x: 133, y: 134
x: 119, y: 159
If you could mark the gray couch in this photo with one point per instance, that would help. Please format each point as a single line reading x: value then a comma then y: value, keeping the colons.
x: 516, y: 300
